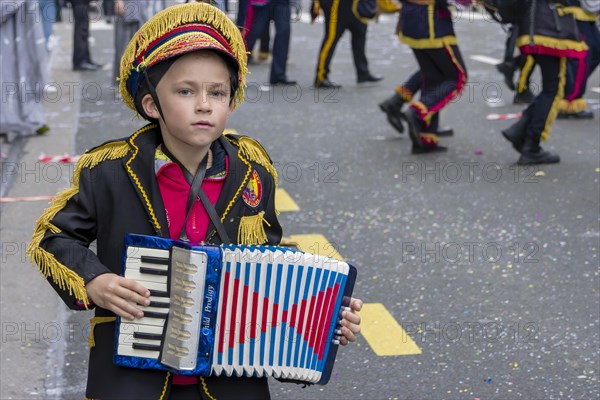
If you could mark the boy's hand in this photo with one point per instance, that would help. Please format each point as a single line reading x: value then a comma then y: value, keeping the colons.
x: 351, y: 322
x: 115, y: 293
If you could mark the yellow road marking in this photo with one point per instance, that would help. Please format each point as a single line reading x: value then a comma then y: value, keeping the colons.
x: 316, y: 244
x: 284, y: 202
x: 385, y: 336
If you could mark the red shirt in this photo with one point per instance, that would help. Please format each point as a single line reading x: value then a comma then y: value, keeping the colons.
x: 174, y: 191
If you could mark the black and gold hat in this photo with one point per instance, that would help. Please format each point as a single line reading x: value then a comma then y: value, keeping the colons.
x: 176, y: 31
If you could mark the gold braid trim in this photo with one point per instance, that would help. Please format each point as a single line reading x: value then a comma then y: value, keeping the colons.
x: 553, y: 43
x: 93, y: 322
x: 331, y: 28
x: 205, y: 388
x: 171, y: 18
x: 63, y: 277
x: 164, y: 391
x: 572, y: 107
x: 135, y: 178
x: 252, y: 150
x: 562, y: 73
x: 252, y: 229
x: 525, y: 72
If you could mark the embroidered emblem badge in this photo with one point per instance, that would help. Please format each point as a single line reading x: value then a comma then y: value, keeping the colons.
x: 252, y: 193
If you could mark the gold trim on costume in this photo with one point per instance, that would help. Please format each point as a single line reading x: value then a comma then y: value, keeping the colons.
x: 559, y: 95
x: 135, y: 178
x: 93, y: 322
x: 164, y: 391
x: 436, y: 43
x: 254, y: 151
x: 62, y: 276
x: 553, y: 43
x: 331, y: 32
x: 252, y: 229
x: 578, y: 13
x: 573, y: 106
x: 525, y: 72
x: 205, y: 388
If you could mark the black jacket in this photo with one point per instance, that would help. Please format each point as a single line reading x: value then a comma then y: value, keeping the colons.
x: 546, y: 29
x: 115, y: 192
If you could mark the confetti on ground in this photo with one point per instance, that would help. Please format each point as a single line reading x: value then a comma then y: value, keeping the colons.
x: 540, y: 173
x: 478, y: 152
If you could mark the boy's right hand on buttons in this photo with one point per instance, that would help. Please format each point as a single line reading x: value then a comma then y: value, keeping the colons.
x: 118, y: 294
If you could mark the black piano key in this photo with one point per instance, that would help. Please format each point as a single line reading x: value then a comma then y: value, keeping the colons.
x: 149, y: 336
x: 153, y: 271
x: 155, y: 260
x: 152, y: 314
x: 142, y: 346
x: 159, y: 304
x: 158, y: 293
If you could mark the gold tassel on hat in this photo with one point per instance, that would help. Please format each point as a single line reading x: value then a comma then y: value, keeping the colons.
x: 252, y: 229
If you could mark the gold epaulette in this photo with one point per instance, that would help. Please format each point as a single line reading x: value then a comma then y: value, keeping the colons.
x: 253, y: 151
x: 63, y: 277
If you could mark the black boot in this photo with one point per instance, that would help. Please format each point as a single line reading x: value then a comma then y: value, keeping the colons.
x: 533, y: 154
x: 517, y: 131
x: 392, y: 107
x: 419, y: 145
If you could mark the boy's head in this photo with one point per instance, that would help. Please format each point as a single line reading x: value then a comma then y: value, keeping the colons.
x: 171, y: 34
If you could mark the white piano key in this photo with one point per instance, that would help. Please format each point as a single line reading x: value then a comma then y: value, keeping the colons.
x: 137, y: 252
x: 140, y: 277
x: 137, y: 263
x: 128, y: 350
x: 130, y: 340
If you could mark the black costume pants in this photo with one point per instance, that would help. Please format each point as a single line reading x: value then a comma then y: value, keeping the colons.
x: 443, y: 78
x: 279, y: 12
x: 339, y: 18
x: 544, y: 108
x: 81, y: 31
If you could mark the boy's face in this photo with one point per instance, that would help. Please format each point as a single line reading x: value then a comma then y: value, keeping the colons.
x: 195, y: 96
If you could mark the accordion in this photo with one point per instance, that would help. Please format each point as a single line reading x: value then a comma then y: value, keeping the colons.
x: 234, y: 310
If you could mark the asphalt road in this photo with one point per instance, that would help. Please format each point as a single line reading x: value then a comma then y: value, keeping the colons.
x: 492, y: 269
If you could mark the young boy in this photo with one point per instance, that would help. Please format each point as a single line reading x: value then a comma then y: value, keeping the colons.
x: 184, y: 70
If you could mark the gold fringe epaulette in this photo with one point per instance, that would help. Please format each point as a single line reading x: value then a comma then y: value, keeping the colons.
x: 253, y: 151
x: 63, y: 277
x: 252, y: 229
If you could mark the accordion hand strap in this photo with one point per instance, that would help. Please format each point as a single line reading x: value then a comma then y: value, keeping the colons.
x: 195, y: 182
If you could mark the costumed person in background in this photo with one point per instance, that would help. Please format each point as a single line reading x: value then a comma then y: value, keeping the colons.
x: 82, y: 61
x: 108, y: 9
x: 130, y: 16
x: 265, y: 37
x: 185, y: 72
x: 404, y: 94
x: 258, y: 18
x: 340, y: 15
x: 426, y: 26
x: 23, y: 59
x: 510, y: 64
x: 575, y: 106
x: 550, y: 36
